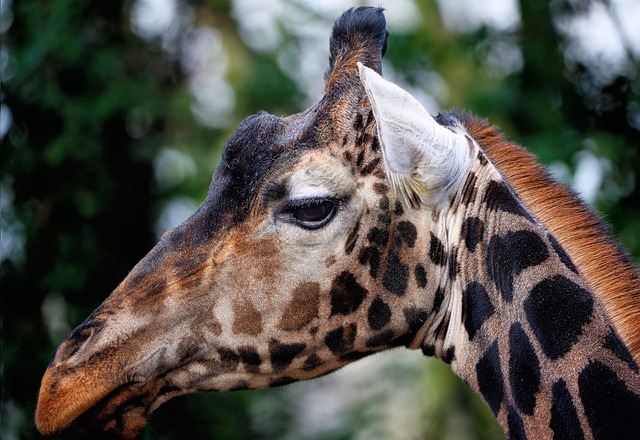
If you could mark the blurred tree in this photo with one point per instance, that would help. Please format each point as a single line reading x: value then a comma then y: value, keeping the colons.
x: 118, y: 111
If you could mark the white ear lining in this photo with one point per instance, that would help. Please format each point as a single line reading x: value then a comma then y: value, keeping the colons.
x: 424, y: 160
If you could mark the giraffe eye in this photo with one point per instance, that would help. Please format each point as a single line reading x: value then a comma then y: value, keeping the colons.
x: 310, y: 213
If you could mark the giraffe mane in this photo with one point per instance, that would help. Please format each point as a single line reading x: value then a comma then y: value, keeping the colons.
x: 607, y: 267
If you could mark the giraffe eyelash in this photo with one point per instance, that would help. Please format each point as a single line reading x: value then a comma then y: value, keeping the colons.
x: 310, y: 213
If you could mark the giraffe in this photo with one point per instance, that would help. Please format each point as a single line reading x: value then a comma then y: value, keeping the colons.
x: 357, y: 225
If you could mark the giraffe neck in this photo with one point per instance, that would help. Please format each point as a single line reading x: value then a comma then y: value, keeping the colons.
x: 519, y: 323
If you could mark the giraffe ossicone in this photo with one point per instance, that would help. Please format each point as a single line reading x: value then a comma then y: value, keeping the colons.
x: 357, y: 225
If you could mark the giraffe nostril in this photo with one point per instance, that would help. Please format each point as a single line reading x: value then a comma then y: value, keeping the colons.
x: 76, y: 340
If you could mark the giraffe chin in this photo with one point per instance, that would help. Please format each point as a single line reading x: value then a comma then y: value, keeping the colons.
x: 88, y: 405
x: 123, y: 412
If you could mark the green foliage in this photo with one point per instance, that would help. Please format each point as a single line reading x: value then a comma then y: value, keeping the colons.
x: 94, y: 104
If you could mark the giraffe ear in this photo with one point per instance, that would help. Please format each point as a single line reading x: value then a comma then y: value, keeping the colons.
x: 424, y: 160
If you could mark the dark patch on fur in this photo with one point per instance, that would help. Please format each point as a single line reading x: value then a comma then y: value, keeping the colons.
x: 250, y: 358
x: 396, y: 275
x: 385, y: 218
x: 378, y: 237
x: 283, y: 354
x: 437, y: 300
x: 375, y: 143
x: 398, y: 210
x: 477, y: 308
x: 379, y: 314
x: 358, y: 124
x: 612, y: 409
x: 449, y: 355
x: 524, y: 369
x: 564, y: 417
x: 352, y: 238
x: 516, y: 427
x: 510, y: 254
x: 240, y: 386
x: 472, y: 232
x: 370, y: 119
x: 312, y: 362
x: 415, y: 319
x: 353, y: 356
x: 421, y: 276
x: 362, y: 140
x: 346, y: 294
x: 482, y: 158
x: 617, y: 347
x: 407, y: 232
x: 497, y: 197
x: 469, y: 189
x: 564, y: 257
x: 370, y: 167
x: 371, y: 256
x: 229, y: 359
x: 381, y: 188
x: 490, y: 379
x: 282, y: 381
x: 454, y: 264
x: 429, y: 350
x: 341, y: 339
x: 557, y: 309
x: 436, y: 251
x: 384, y: 202
x: 381, y: 339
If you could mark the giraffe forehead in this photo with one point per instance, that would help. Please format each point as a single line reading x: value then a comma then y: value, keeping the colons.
x: 259, y: 145
x: 320, y: 171
x: 265, y: 147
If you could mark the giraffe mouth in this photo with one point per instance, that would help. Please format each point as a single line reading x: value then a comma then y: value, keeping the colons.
x: 91, y: 405
x: 124, y: 411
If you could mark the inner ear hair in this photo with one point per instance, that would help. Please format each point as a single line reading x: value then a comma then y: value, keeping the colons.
x: 424, y: 160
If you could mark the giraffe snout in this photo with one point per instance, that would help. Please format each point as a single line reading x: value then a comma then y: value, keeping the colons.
x: 81, y: 374
x: 75, y: 341
x: 65, y: 393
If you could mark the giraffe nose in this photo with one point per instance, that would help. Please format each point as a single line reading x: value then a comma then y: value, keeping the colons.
x: 76, y: 340
x: 71, y: 384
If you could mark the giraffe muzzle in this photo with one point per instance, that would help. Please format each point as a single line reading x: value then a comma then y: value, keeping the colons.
x: 90, y: 404
x: 103, y: 381
x: 64, y: 397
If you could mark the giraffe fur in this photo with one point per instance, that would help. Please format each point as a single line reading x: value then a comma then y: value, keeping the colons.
x: 580, y: 233
x: 305, y: 257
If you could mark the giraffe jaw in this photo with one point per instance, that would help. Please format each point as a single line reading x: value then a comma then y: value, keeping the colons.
x: 93, y: 400
x: 91, y: 403
x: 124, y: 411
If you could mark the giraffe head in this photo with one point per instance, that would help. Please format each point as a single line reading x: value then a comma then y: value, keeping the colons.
x: 297, y: 262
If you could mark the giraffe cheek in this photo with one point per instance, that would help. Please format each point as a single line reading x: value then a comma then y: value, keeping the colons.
x: 246, y: 319
x: 302, y: 309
